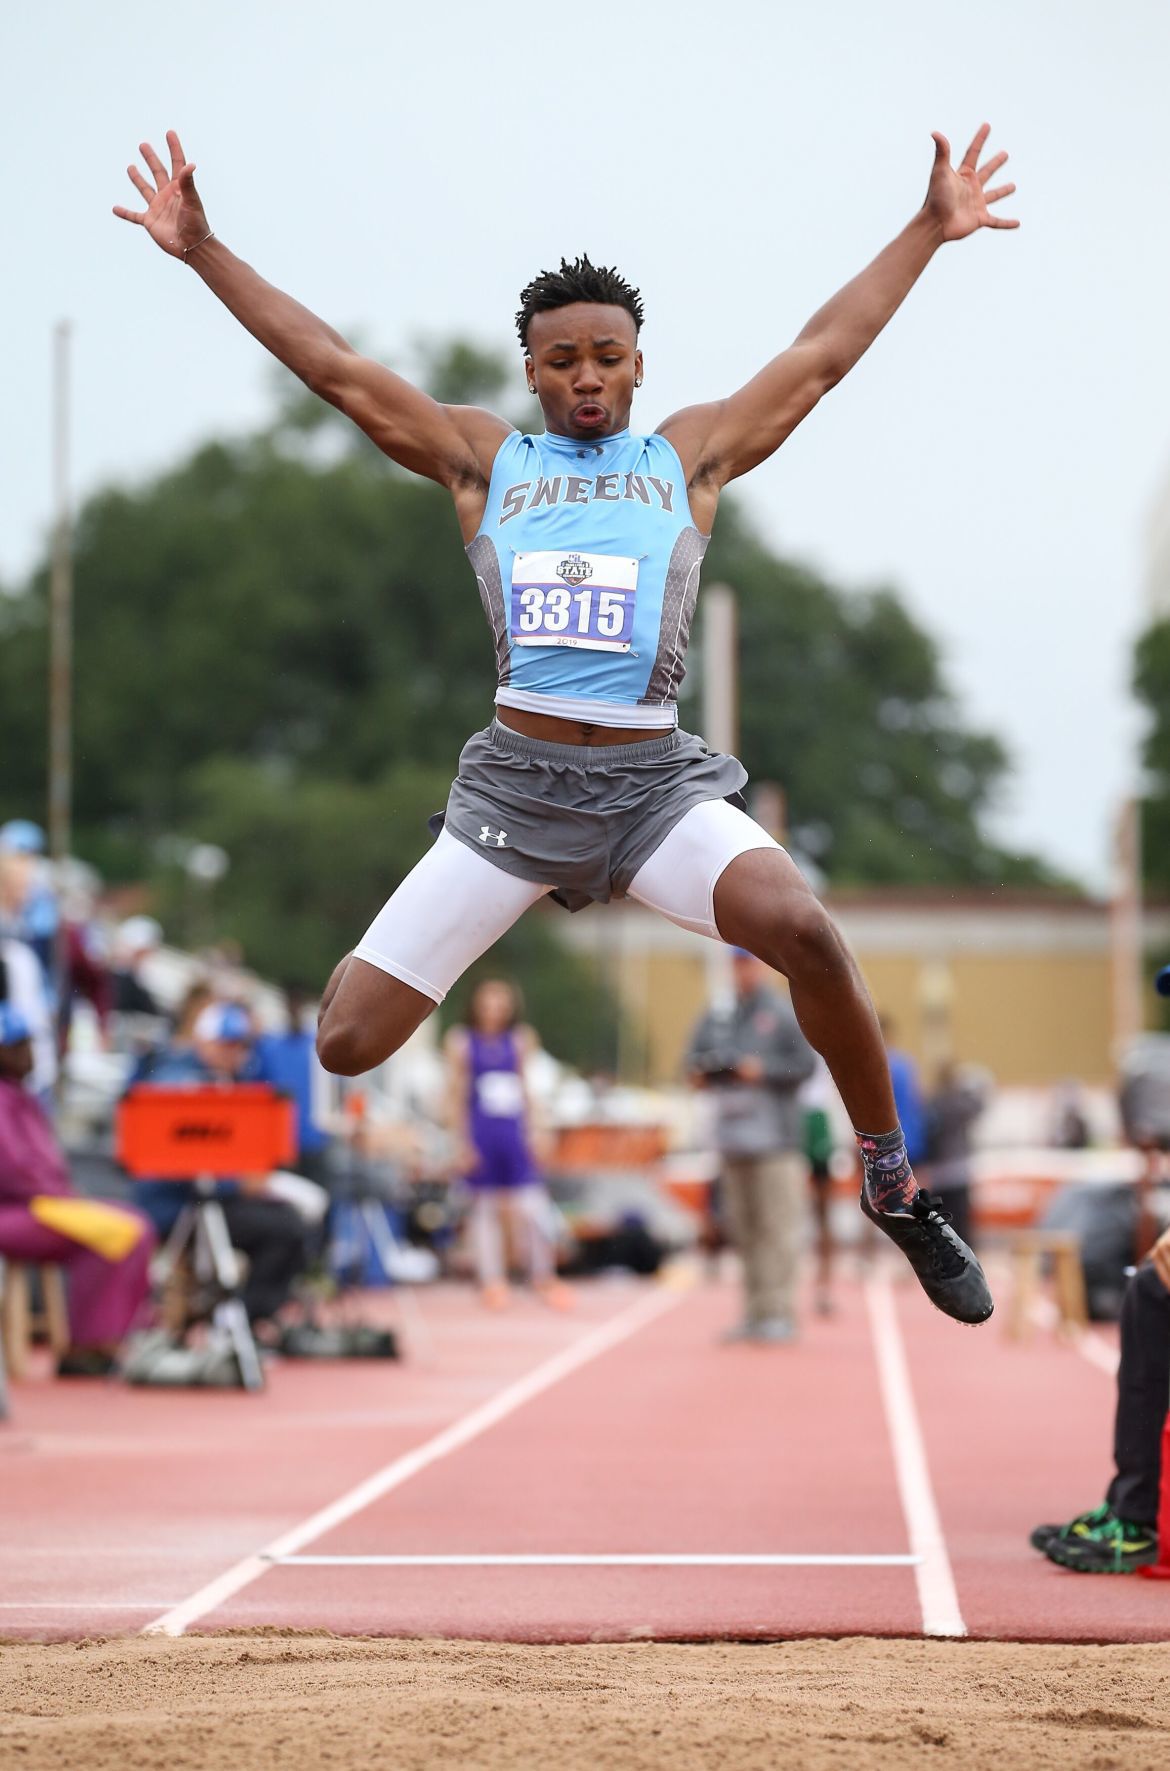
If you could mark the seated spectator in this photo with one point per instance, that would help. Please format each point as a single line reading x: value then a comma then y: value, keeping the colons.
x: 28, y: 904
x: 268, y: 1230
x: 1122, y: 1533
x: 289, y: 1062
x: 195, y: 999
x: 22, y: 984
x: 106, y: 1249
x: 138, y: 937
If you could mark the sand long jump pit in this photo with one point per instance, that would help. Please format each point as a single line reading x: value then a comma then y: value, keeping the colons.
x: 255, y: 1700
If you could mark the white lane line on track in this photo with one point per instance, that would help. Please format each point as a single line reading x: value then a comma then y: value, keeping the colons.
x: 1098, y: 1351
x: 937, y: 1597
x: 590, y: 1346
x: 1103, y: 1354
x: 81, y: 1604
x: 615, y: 1561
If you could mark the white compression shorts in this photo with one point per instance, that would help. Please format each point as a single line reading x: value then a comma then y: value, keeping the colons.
x: 455, y: 904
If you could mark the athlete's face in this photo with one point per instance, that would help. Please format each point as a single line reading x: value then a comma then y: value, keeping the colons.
x: 583, y: 363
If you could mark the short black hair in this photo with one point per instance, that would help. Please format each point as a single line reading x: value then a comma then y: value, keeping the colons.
x: 579, y: 281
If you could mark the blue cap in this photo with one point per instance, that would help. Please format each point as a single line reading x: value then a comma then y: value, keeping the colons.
x: 13, y: 1025
x: 227, y: 1021
x: 20, y: 836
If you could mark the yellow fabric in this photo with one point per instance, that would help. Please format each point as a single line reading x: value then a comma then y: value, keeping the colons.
x: 103, y: 1228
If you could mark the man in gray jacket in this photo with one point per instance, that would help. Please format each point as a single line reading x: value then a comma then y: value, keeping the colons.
x: 752, y: 1057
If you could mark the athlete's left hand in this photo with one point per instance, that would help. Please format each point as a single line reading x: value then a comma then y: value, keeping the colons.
x: 957, y: 199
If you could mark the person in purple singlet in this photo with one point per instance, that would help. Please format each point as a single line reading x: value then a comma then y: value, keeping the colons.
x: 490, y: 1114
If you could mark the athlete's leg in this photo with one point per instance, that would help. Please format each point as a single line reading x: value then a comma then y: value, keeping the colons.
x: 762, y: 902
x: 732, y: 881
x: 447, y: 911
x: 721, y: 874
x: 487, y: 1235
x: 530, y: 1215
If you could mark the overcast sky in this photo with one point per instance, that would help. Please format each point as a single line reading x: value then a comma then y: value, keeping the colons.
x: 406, y: 169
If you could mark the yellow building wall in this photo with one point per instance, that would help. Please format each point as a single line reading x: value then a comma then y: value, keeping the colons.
x: 1031, y: 1019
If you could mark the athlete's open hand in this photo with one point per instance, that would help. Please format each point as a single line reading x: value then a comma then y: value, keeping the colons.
x: 174, y: 216
x: 957, y: 197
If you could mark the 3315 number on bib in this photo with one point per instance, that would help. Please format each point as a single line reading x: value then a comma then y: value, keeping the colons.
x: 573, y: 599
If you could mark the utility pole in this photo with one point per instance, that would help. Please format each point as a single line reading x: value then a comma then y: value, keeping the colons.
x: 721, y: 730
x: 60, y: 819
x: 1125, y: 927
x: 720, y: 669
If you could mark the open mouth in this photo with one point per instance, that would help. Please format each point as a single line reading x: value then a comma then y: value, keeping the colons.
x: 590, y: 415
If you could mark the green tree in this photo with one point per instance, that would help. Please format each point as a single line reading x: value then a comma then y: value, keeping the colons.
x: 1151, y: 681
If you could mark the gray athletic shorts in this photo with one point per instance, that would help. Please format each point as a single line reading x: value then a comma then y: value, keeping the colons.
x: 581, y: 818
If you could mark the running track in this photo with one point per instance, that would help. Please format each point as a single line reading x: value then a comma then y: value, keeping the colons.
x: 893, y: 1462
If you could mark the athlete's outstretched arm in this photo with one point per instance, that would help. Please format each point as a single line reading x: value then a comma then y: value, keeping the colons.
x: 452, y: 444
x: 719, y: 441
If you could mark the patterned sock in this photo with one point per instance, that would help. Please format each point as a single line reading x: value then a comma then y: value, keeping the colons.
x: 889, y: 1180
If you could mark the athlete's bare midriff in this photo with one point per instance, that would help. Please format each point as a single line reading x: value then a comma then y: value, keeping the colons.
x: 551, y: 730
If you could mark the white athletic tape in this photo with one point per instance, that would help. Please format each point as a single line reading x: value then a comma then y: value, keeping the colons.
x: 615, y: 1561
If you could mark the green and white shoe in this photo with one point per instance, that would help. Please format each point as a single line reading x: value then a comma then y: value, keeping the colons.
x: 1107, y: 1546
x: 1043, y: 1535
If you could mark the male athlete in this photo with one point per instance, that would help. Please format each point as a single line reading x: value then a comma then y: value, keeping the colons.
x: 586, y: 542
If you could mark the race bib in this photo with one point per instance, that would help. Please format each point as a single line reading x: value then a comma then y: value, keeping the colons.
x: 573, y: 599
x: 500, y: 1094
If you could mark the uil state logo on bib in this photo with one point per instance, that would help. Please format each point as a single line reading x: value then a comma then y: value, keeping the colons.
x: 574, y: 570
x: 573, y: 599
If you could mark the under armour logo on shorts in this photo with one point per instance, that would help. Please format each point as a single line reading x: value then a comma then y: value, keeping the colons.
x: 487, y: 834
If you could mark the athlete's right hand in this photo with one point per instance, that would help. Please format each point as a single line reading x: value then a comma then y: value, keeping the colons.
x: 174, y: 216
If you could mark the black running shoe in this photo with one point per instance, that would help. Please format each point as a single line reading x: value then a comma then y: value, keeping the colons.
x: 1043, y: 1535
x: 1111, y: 1546
x: 946, y: 1269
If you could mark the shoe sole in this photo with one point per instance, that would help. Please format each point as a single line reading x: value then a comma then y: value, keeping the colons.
x: 875, y: 1218
x: 1126, y: 1567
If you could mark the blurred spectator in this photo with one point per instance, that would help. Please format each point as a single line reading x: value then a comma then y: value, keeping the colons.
x: 490, y: 1114
x: 818, y: 1148
x: 752, y: 1057
x: 951, y: 1112
x: 1070, y: 1116
x: 105, y: 1248
x: 198, y: 996
x: 22, y: 985
x: 28, y: 903
x: 289, y: 1062
x: 1121, y: 1534
x: 268, y: 1230
x: 1144, y: 1092
x: 1144, y: 1100
x: 83, y: 949
x: 88, y: 978
x: 907, y: 1088
x: 137, y: 939
x: 151, y: 1053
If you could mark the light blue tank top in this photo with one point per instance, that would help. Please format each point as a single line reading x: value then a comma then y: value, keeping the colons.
x: 588, y: 566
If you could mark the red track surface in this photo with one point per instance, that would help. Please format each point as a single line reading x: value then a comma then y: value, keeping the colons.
x: 120, y: 1504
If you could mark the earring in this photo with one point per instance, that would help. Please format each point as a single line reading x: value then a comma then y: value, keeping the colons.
x: 637, y: 381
